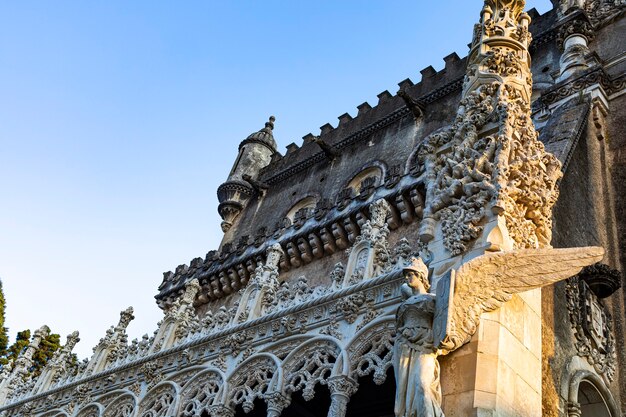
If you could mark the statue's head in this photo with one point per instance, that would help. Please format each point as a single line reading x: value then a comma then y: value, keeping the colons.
x: 417, y: 272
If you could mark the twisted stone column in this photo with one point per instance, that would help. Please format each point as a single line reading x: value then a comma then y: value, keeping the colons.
x: 341, y: 388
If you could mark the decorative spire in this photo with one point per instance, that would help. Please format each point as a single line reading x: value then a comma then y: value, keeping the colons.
x: 270, y: 124
x: 489, y: 177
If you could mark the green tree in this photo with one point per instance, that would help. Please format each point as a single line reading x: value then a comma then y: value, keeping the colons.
x: 4, y: 338
x: 8, y: 354
x: 45, y: 352
x: 21, y: 341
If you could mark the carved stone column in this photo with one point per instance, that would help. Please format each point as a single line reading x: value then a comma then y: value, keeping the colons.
x: 341, y: 389
x: 573, y: 39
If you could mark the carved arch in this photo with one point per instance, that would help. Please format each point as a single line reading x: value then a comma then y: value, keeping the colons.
x: 109, y: 397
x: 160, y: 401
x: 584, y: 376
x: 371, y: 350
x: 90, y: 410
x: 308, y: 202
x: 201, y: 392
x: 181, y: 378
x: 253, y: 378
x: 374, y: 169
x: 313, y: 362
x: 123, y: 406
x: 283, y: 347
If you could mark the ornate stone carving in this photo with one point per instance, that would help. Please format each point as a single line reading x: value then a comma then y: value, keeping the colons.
x: 276, y: 402
x: 160, y: 402
x: 474, y: 174
x: 251, y: 381
x: 600, y: 10
x: 373, y: 352
x: 592, y: 326
x: 370, y: 254
x: 200, y: 394
x: 123, y: 406
x: 311, y: 365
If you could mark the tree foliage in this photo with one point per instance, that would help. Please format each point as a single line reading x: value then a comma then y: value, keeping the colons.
x: 44, y: 353
x: 4, y: 338
x: 21, y: 342
x: 8, y: 354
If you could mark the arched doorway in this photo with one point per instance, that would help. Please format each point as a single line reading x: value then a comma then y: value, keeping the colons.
x: 589, y: 396
x: 591, y: 402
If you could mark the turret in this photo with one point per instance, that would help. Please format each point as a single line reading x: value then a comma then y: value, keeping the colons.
x: 255, y: 153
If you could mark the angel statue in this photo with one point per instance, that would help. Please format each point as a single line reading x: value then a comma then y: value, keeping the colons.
x: 432, y: 324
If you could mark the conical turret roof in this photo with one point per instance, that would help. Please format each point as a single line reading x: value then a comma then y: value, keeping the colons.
x: 264, y: 135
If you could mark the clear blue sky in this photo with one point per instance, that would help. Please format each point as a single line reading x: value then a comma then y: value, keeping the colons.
x: 119, y: 119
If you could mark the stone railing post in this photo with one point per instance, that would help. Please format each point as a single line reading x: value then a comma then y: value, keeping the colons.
x: 341, y: 389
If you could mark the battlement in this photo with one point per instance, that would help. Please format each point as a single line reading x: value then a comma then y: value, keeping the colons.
x: 238, y: 258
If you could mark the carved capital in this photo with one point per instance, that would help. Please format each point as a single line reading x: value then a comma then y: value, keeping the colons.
x: 276, y: 403
x: 579, y: 27
x: 342, y: 385
x: 220, y: 411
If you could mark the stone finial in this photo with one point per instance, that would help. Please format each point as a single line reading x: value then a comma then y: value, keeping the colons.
x: 41, y: 333
x: 72, y: 340
x: 126, y: 317
x: 270, y: 124
x: 274, y: 253
x: 379, y: 210
x: 191, y: 290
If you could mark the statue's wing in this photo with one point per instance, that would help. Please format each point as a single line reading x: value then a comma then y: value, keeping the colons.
x: 485, y: 283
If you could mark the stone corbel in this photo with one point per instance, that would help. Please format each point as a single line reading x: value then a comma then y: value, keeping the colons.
x: 341, y: 388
